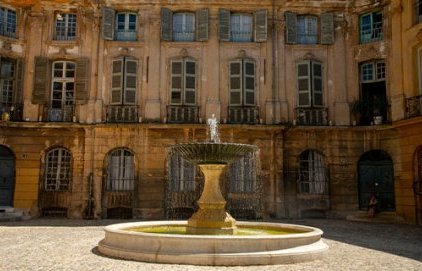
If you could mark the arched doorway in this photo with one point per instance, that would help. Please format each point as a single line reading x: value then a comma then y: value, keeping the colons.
x: 7, y: 176
x: 376, y: 175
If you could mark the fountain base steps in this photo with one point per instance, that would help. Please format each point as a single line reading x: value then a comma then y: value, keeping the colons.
x: 215, y: 250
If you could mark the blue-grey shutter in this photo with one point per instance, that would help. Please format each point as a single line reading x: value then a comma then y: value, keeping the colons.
x: 304, y: 83
x: 235, y: 82
x: 291, y: 21
x: 82, y: 80
x: 166, y: 24
x: 327, y: 28
x: 117, y: 81
x: 261, y: 25
x: 108, y: 23
x: 17, y: 96
x: 317, y: 98
x: 202, y: 24
x: 41, y: 83
x: 224, y: 24
x: 130, y: 82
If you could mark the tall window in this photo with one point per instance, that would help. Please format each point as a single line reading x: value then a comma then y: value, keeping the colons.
x: 183, y: 82
x: 57, y: 175
x: 312, y: 173
x: 65, y: 26
x: 124, y: 81
x: 62, y: 94
x: 120, y: 171
x: 371, y: 27
x: 126, y: 26
x: 242, y: 27
x: 418, y: 11
x: 309, y: 82
x: 7, y: 22
x: 242, y: 83
x: 7, y: 81
x: 242, y: 175
x: 307, y: 29
x: 183, y: 26
x: 181, y: 174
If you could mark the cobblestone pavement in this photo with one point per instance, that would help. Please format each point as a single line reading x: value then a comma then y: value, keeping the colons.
x: 62, y: 244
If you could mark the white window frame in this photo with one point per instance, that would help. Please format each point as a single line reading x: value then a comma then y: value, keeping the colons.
x: 312, y: 173
x: 243, y: 90
x: 375, y: 33
x: 243, y: 36
x: 311, y: 77
x: 378, y: 71
x: 57, y: 170
x: 184, y: 35
x: 68, y: 30
x: 7, y: 83
x: 8, y: 29
x: 126, y: 34
x: 120, y: 170
x: 64, y: 81
x: 123, y: 88
x: 303, y: 38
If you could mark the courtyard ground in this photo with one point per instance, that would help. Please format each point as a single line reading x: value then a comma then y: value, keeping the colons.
x: 63, y: 244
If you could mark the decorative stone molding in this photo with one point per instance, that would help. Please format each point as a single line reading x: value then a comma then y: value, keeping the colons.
x: 363, y: 53
x: 242, y: 54
x: 7, y: 45
x: 183, y: 52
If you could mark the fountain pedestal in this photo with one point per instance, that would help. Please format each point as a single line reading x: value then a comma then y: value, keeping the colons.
x: 211, y: 218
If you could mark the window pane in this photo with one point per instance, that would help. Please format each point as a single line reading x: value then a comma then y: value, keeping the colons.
x: 303, y: 70
x: 176, y: 67
x: 250, y: 83
x: 190, y: 67
x: 176, y: 97
x: 131, y: 67
x: 250, y: 68
x: 131, y: 81
x: 234, y: 68
x: 190, y: 82
x: 183, y: 26
x: 176, y: 82
x: 317, y: 84
x: 380, y: 70
x: 241, y: 27
x: 235, y: 82
x: 307, y: 29
x: 304, y: 99
x: 303, y: 84
x: 116, y: 81
x: 317, y: 70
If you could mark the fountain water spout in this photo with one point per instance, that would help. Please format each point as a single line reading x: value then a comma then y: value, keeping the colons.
x: 213, y: 128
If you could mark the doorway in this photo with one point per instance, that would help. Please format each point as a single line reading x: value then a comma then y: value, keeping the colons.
x: 7, y: 176
x: 376, y: 175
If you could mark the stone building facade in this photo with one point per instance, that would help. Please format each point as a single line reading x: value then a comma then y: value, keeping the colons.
x: 93, y: 93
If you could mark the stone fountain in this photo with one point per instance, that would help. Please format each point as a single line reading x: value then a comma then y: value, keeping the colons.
x: 209, y: 237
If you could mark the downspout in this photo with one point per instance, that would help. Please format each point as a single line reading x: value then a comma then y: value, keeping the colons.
x: 273, y: 61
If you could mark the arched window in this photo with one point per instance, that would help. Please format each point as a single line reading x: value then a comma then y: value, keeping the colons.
x: 242, y: 175
x: 120, y: 170
x: 57, y: 174
x: 312, y: 173
x: 181, y: 174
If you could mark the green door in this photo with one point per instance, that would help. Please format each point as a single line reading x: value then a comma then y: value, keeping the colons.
x: 376, y: 176
x: 7, y: 176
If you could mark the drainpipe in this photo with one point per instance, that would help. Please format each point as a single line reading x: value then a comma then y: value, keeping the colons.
x: 273, y: 60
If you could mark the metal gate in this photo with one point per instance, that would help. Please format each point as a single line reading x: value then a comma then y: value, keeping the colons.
x: 376, y: 176
x: 7, y: 176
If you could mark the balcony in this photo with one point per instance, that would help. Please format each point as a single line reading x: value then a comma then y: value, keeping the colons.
x: 414, y: 106
x: 312, y: 116
x: 122, y: 113
x: 182, y: 114
x: 15, y: 111
x: 64, y: 114
x: 243, y: 115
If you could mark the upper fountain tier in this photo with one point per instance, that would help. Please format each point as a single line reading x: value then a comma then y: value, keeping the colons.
x: 213, y: 153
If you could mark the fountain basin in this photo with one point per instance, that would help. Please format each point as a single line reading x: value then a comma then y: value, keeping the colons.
x: 227, y: 250
x: 212, y: 153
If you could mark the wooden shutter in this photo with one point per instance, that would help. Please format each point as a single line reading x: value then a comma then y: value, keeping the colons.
x: 249, y: 82
x: 108, y: 23
x: 327, y: 28
x: 224, y: 24
x: 202, y: 24
x: 130, y: 82
x: 261, y: 28
x: 190, y: 82
x: 304, y: 84
x: 317, y: 84
x: 41, y: 83
x: 17, y: 95
x: 117, y: 81
x: 166, y: 24
x: 176, y: 82
x: 235, y: 82
x: 82, y: 80
x: 291, y: 21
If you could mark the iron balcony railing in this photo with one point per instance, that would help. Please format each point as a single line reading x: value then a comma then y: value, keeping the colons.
x: 312, y: 116
x: 64, y: 114
x: 414, y: 106
x: 122, y: 113
x: 15, y: 111
x: 182, y: 114
x: 243, y: 115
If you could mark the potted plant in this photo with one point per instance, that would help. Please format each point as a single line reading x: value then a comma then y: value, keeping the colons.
x: 379, y: 106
